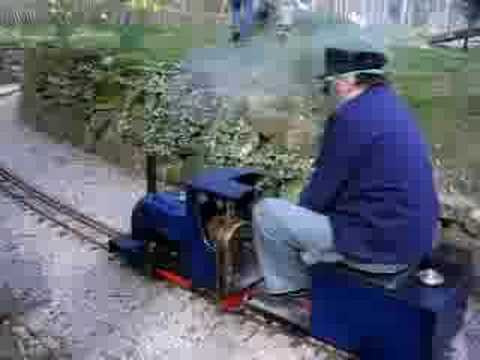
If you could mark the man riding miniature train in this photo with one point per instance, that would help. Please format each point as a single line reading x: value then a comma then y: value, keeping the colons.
x: 370, y: 202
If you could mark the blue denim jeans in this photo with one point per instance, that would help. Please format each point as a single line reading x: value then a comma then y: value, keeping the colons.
x: 245, y: 22
x: 289, y: 238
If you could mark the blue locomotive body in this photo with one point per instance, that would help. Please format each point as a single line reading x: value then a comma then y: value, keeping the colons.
x: 390, y: 317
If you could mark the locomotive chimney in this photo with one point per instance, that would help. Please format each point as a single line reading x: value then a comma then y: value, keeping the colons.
x: 151, y: 173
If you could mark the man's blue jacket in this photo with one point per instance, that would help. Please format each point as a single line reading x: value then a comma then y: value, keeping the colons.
x: 374, y: 179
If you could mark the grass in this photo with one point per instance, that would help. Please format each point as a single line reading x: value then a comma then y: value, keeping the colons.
x: 160, y: 42
x: 426, y: 61
x: 433, y: 82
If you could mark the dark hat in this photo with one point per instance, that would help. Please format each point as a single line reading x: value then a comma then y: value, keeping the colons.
x: 339, y: 61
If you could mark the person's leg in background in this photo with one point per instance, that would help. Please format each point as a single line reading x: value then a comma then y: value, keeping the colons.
x: 262, y: 12
x: 236, y: 18
x: 288, y: 239
x: 247, y: 22
x: 285, y: 15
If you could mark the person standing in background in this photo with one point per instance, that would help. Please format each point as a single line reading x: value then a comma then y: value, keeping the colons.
x: 246, y: 14
x: 242, y: 18
x: 286, y: 10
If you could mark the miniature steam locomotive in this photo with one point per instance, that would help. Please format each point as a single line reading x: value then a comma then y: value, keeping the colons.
x: 201, y: 238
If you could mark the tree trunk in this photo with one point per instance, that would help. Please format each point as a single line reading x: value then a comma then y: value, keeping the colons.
x: 404, y: 12
x: 386, y: 15
x: 465, y: 43
x: 411, y: 13
x: 448, y: 11
x: 366, y: 11
x: 467, y: 36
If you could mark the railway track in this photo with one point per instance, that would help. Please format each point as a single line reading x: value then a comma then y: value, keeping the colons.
x: 97, y: 233
x: 53, y: 210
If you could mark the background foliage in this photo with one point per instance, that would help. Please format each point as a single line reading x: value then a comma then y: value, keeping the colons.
x: 133, y: 85
x: 136, y: 94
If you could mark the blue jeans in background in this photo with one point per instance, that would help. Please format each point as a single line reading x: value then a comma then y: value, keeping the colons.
x: 289, y: 238
x: 243, y: 23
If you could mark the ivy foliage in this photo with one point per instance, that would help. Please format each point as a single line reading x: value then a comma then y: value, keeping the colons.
x: 233, y: 142
x: 152, y: 112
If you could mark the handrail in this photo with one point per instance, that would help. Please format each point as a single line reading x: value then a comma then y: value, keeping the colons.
x: 454, y: 35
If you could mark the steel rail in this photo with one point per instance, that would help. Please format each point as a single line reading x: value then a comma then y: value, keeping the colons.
x: 7, y: 176
x: 49, y: 216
